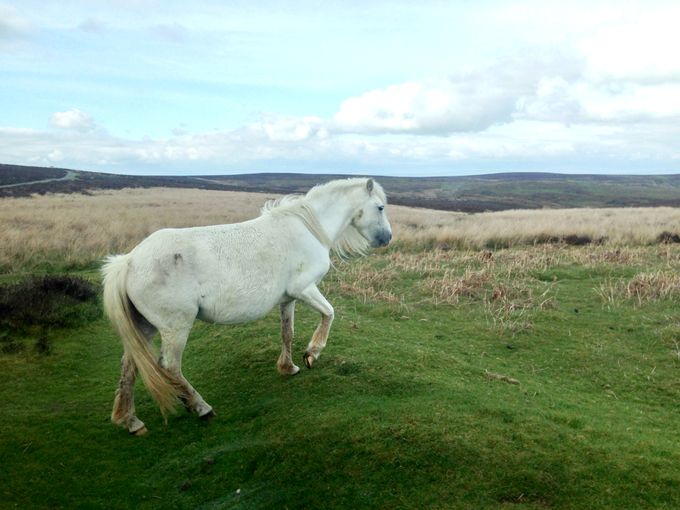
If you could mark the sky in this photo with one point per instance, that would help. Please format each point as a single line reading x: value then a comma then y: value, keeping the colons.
x: 170, y: 87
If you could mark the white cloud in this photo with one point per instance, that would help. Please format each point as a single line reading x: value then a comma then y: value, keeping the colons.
x: 73, y: 119
x: 633, y: 103
x: 509, y: 146
x: 12, y: 25
x: 552, y: 87
x: 287, y: 129
x: 56, y: 155
x: 643, y: 46
x: 583, y: 102
x: 432, y: 107
x: 464, y: 102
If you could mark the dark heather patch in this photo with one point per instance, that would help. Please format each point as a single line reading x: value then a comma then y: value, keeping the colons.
x: 574, y: 240
x: 31, y: 308
x: 666, y: 237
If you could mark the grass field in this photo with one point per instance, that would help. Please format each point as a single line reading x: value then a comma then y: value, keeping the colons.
x: 530, y: 377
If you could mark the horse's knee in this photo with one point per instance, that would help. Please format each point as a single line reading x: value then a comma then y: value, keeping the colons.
x: 329, y: 315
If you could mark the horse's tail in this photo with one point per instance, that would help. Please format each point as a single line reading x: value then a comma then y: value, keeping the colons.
x: 163, y: 386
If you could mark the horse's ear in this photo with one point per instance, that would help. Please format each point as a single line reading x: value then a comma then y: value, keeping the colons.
x: 369, y: 185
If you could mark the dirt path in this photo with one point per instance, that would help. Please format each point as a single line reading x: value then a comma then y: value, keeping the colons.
x: 70, y: 176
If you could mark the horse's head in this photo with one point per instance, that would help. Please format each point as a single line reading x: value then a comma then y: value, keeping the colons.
x: 370, y: 220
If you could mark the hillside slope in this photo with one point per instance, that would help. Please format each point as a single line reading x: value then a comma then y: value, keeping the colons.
x: 492, y: 192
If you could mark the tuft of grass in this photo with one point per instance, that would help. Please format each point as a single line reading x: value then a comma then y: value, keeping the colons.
x: 510, y: 306
x: 367, y: 284
x: 653, y: 286
x: 642, y: 288
x: 449, y: 287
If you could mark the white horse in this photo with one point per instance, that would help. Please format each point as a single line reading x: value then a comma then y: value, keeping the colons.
x: 231, y: 274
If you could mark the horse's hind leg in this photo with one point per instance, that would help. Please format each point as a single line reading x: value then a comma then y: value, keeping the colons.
x: 313, y: 297
x: 285, y: 363
x: 173, y: 342
x: 124, y: 403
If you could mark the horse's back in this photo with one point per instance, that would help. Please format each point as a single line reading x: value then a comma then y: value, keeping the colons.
x: 224, y: 273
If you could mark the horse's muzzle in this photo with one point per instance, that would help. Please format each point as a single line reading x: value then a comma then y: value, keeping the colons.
x: 382, y: 239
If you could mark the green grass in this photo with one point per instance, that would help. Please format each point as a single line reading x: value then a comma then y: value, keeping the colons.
x: 397, y: 413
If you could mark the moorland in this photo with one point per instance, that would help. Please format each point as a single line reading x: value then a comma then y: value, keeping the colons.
x: 479, y: 193
x: 514, y: 359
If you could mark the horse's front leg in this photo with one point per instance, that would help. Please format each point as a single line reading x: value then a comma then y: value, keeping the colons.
x: 285, y: 363
x: 313, y: 297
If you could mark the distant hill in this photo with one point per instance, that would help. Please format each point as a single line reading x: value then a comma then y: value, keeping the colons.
x: 491, y: 192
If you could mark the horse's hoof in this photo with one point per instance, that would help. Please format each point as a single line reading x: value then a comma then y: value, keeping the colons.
x: 207, y: 416
x: 140, y: 431
x: 308, y: 359
x: 288, y: 370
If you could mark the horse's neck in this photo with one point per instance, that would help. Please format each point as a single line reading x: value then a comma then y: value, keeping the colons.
x: 333, y: 215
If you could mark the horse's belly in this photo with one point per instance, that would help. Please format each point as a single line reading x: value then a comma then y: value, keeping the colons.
x: 236, y: 309
x: 232, y: 316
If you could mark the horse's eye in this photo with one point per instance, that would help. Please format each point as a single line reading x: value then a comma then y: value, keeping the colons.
x: 381, y: 207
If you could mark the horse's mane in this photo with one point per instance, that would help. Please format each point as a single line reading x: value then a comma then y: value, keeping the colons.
x: 296, y: 205
x: 350, y: 242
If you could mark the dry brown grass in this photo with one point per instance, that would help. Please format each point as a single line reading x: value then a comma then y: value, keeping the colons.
x: 615, y: 226
x: 366, y: 283
x: 78, y: 229
x: 518, y: 262
x: 507, y: 300
x: 449, y: 287
x: 643, y: 287
x: 502, y: 283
